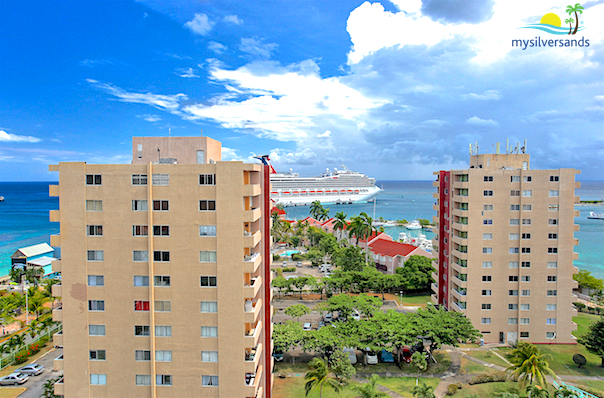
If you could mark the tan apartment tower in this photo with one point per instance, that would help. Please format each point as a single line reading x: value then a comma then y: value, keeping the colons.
x: 505, y: 248
x: 165, y: 268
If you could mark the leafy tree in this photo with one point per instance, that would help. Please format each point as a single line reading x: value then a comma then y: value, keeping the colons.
x: 565, y: 392
x: 319, y: 377
x: 287, y: 335
x: 423, y: 391
x: 325, y: 341
x: 369, y: 389
x: 297, y: 310
x: 329, y: 244
x: 575, y: 9
x: 16, y: 274
x: 586, y: 280
x: 280, y: 283
x: 315, y: 256
x: 416, y: 274
x: 37, y: 301
x: 529, y: 364
x: 350, y: 259
x: 537, y: 392
x: 299, y: 283
x: 340, y: 365
x: 579, y: 360
x: 361, y: 227
x: 594, y: 339
x: 33, y: 275
x: 367, y: 305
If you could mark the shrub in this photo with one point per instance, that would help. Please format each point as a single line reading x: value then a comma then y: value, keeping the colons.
x: 580, y: 306
x: 297, y: 257
x: 21, y: 357
x: 276, y: 257
x: 43, y: 341
x: 289, y: 269
x: 33, y: 348
x: 489, y: 378
x: 452, y: 389
x: 579, y: 360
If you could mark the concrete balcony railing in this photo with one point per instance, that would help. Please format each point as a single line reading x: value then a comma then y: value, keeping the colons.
x: 458, y: 268
x: 461, y: 307
x: 434, y: 275
x: 58, y: 364
x: 434, y: 287
x: 459, y: 282
x: 251, y: 389
x: 576, y: 227
x: 59, y: 387
x: 435, y: 264
x: 53, y: 190
x: 55, y: 240
x: 458, y: 294
x: 57, y: 290
x: 57, y: 339
x: 460, y: 184
x: 56, y: 265
x: 251, y: 239
x: 436, y: 195
x: 459, y: 240
x: 434, y: 298
x: 435, y: 219
x: 55, y: 215
x: 435, y: 207
x: 460, y: 227
x: 251, y: 263
x: 251, y: 291
x: 252, y: 190
x: 574, y: 284
x: 573, y: 326
x: 251, y: 315
x: 253, y: 359
x: 461, y: 255
x: 436, y: 183
x: 252, y: 215
x: 57, y: 314
x: 251, y: 339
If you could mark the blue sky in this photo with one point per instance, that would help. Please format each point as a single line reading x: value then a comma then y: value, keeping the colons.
x: 396, y: 89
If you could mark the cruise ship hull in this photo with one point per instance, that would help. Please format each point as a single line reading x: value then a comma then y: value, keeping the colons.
x: 353, y: 195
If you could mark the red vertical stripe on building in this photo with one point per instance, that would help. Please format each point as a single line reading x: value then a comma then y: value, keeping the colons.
x: 268, y: 370
x: 443, y: 235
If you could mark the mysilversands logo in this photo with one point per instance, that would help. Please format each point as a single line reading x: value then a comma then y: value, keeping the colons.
x: 552, y: 24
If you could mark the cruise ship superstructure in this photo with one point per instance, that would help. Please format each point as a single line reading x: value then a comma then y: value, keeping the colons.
x: 337, y: 186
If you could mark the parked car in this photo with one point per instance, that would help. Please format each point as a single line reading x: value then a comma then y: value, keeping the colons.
x: 299, y: 264
x: 307, y: 326
x: 278, y: 355
x: 386, y: 356
x: 371, y: 358
x: 407, y: 355
x: 321, y: 324
x: 328, y: 317
x: 14, y: 379
x: 352, y: 355
x: 356, y: 316
x: 33, y: 369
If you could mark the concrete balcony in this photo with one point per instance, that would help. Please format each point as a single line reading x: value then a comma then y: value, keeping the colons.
x: 434, y: 298
x: 251, y: 263
x: 575, y: 242
x: 459, y: 282
x: 251, y: 239
x: 435, y: 264
x: 458, y: 294
x: 574, y: 284
x: 53, y: 167
x: 462, y: 198
x: 57, y: 314
x: 434, y: 287
x: 577, y: 199
x: 436, y: 195
x: 57, y: 339
x: 459, y: 240
x: 577, y: 227
x: 56, y: 265
x: 575, y: 256
x: 460, y: 255
x: 459, y: 268
x: 253, y: 315
x: 460, y: 226
x: 55, y: 216
x: 57, y: 290
x: 458, y: 308
x: 251, y: 340
x: 59, y: 387
x: 436, y: 207
x: 252, y: 290
x: 460, y: 184
x: 55, y: 240
x: 252, y: 190
x: 251, y: 390
x: 573, y: 326
x: 576, y: 213
x: 436, y: 183
x: 57, y: 364
x: 252, y: 361
x: 252, y: 215
x: 434, y: 276
x: 435, y: 219
x: 53, y: 190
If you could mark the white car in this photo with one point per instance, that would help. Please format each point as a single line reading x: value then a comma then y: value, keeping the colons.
x: 372, y: 358
x: 307, y: 326
x: 352, y: 355
x: 14, y: 379
x: 33, y: 369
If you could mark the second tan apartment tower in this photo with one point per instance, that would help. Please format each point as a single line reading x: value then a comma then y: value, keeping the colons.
x: 505, y: 248
x: 165, y: 268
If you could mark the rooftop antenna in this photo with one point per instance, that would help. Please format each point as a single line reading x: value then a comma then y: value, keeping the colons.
x: 477, y: 147
x: 169, y: 136
x: 524, y: 146
x: 497, y: 150
x: 507, y: 148
x: 470, y: 149
x: 517, y: 148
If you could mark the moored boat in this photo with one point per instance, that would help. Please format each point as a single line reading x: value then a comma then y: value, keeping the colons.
x: 595, y: 216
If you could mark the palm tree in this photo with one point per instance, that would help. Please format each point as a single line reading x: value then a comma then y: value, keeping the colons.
x: 528, y: 363
x: 570, y: 22
x: 362, y: 228
x: 319, y: 377
x: 575, y: 9
x: 316, y: 209
x: 340, y: 221
x: 33, y: 274
x: 37, y: 301
x: 537, y: 392
x: 369, y: 389
x: 423, y: 391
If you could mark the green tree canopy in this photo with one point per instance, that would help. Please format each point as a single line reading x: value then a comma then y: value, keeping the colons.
x: 287, y: 335
x: 416, y: 274
x: 319, y: 377
x: 529, y: 364
x: 594, y: 339
x: 586, y: 280
x: 297, y: 310
x: 350, y: 258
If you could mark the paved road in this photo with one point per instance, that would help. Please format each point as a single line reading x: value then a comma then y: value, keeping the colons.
x: 35, y: 383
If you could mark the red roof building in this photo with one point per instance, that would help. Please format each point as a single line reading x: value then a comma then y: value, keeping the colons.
x: 389, y: 255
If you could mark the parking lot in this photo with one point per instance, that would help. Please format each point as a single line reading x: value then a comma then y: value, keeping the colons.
x: 35, y: 383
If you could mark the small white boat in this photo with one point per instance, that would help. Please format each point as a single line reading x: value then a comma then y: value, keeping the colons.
x: 1, y: 198
x: 414, y: 225
x: 596, y: 216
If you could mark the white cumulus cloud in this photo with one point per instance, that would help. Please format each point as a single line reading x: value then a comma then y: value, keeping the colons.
x: 326, y: 134
x: 488, y: 95
x: 218, y: 48
x: 7, y: 137
x: 200, y: 24
x: 234, y: 19
x: 476, y: 121
x: 257, y: 47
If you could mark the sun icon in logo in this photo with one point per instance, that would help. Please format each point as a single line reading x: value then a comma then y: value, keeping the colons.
x: 551, y: 19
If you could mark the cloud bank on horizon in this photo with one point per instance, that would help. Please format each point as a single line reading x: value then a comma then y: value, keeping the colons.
x: 419, y: 81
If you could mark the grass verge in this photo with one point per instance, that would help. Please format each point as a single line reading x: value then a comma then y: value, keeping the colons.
x: 404, y: 385
x: 583, y: 322
x: 11, y: 392
x: 489, y: 357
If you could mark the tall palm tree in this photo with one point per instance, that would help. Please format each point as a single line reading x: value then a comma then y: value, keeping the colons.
x: 33, y: 275
x: 422, y: 391
x: 319, y: 377
x: 316, y: 209
x: 369, y: 389
x: 569, y: 21
x: 324, y: 215
x: 340, y: 221
x: 528, y: 363
x: 362, y: 228
x: 36, y: 302
x: 575, y: 9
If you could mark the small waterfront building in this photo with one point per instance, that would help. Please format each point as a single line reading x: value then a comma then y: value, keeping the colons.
x: 389, y: 255
x: 37, y: 255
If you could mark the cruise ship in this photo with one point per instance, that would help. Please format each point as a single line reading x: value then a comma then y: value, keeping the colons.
x: 337, y: 186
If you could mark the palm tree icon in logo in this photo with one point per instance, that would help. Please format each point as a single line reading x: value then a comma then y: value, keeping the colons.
x: 570, y: 22
x: 575, y: 9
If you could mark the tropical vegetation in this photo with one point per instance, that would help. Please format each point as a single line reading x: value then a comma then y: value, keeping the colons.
x: 530, y: 365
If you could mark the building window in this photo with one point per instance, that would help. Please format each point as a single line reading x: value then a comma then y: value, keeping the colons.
x: 98, y: 379
x: 207, y: 179
x: 551, y: 307
x: 486, y: 278
x: 526, y: 221
x: 553, y: 207
x: 209, y: 356
x: 487, y: 236
x: 208, y: 281
x: 515, y: 192
x: 139, y: 151
x: 485, y: 321
x: 96, y: 305
x: 487, y: 222
x: 207, y: 230
x: 487, y: 250
x: 161, y: 230
x: 141, y: 280
x: 487, y: 264
x: 486, y: 292
x: 96, y: 280
x: 554, y: 178
x: 552, y: 292
x: 96, y: 330
x: 526, y: 264
x: 527, y: 193
x: 139, y: 179
x: 487, y: 207
x: 512, y: 292
x: 525, y: 321
x: 552, y: 221
x: 527, y: 178
x: 513, y: 278
x: 488, y: 193
x: 207, y: 205
x: 526, y: 250
x: 552, y: 236
x: 207, y: 256
x: 142, y: 331
x: 552, y: 278
x: 513, y: 307
x: 526, y: 292
x: 527, y: 207
x: 514, y: 250
x: 514, y: 221
x: 526, y: 236
x: 554, y: 194
x: 93, y: 179
x: 524, y: 165
x: 94, y: 255
x: 209, y: 306
x: 525, y: 278
x: 141, y: 305
x: 163, y: 331
x: 140, y: 230
x: 142, y: 355
x: 143, y: 380
x: 161, y: 179
x: 163, y: 356
x: 525, y: 307
x: 139, y: 205
x: 163, y: 380
x: 209, y: 331
x: 552, y: 264
x: 550, y: 335
x: 161, y: 256
x: 550, y: 321
x: 201, y: 157
x: 514, y: 236
x: 94, y: 230
x: 488, y: 178
x: 163, y: 306
x: 512, y: 321
x: 552, y: 250
x: 514, y: 207
x: 161, y: 280
x: 524, y: 335
x: 209, y: 381
x: 94, y: 205
x: 161, y: 205
x: 515, y: 179
x: 486, y: 306
x: 97, y: 355
x: 513, y: 264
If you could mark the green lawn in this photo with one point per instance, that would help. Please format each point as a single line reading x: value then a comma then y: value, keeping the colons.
x: 404, y: 385
x: 488, y: 356
x: 293, y: 387
x: 583, y: 321
x: 594, y: 384
x: 490, y: 389
x: 443, y: 361
x: 414, y: 301
x: 468, y: 366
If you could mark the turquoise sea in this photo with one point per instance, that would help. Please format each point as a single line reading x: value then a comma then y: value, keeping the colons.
x: 24, y: 216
